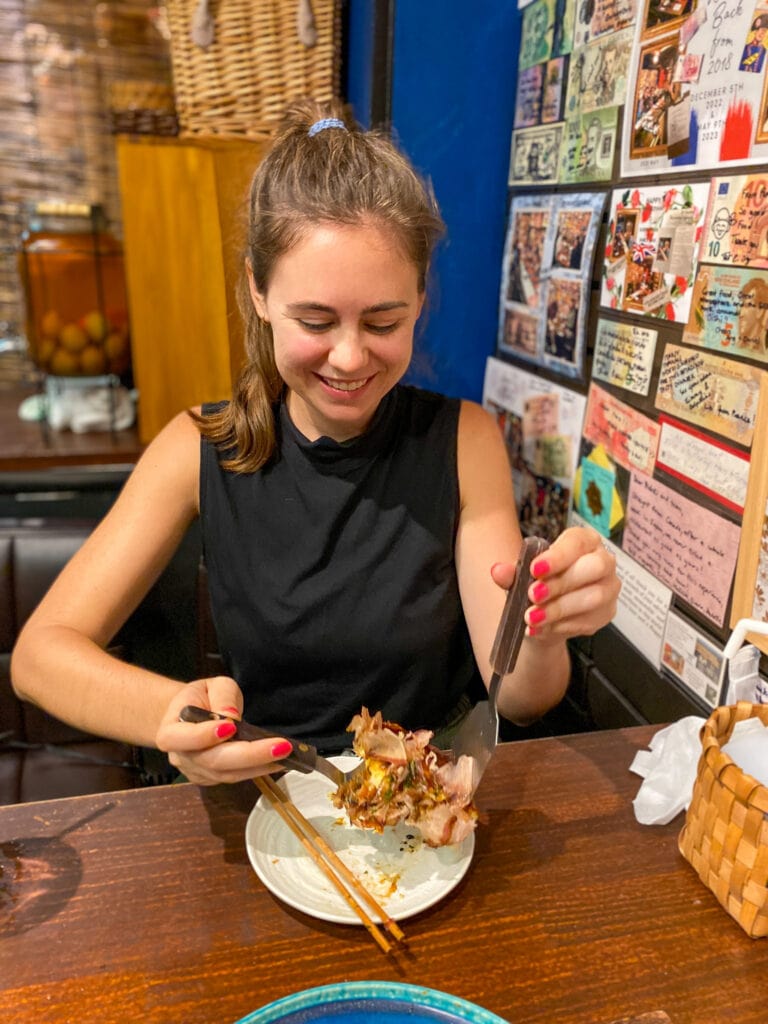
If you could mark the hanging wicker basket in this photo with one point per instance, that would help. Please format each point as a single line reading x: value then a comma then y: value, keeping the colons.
x: 240, y: 83
x: 725, y: 836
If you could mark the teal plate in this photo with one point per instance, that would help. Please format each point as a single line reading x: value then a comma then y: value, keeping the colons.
x: 384, y: 1002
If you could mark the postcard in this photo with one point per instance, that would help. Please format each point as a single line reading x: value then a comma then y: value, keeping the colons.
x: 530, y: 83
x: 600, y: 17
x: 690, y: 549
x: 600, y: 489
x: 595, y: 497
x: 736, y: 222
x: 623, y: 355
x: 597, y: 74
x: 536, y: 34
x: 535, y: 155
x: 693, y: 659
x: 717, y: 394
x: 702, y: 462
x: 553, y: 90
x: 729, y: 311
x: 588, y: 147
x: 524, y: 249
x: 562, y: 36
x: 512, y: 388
x: 695, y: 96
x: 643, y: 604
x: 760, y: 603
x: 650, y: 258
x: 546, y: 277
x: 626, y: 434
x: 541, y: 425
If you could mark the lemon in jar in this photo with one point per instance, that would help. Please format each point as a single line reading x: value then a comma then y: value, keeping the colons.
x: 93, y: 360
x: 50, y: 325
x: 64, y: 363
x: 95, y: 325
x: 72, y: 338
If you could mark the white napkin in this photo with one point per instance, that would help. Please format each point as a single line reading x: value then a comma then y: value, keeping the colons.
x: 748, y: 746
x: 668, y: 768
x: 86, y: 409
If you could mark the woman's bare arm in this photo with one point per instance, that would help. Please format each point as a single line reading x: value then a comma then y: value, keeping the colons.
x: 59, y: 661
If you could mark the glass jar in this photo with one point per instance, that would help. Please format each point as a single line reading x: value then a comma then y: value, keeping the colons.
x: 73, y: 276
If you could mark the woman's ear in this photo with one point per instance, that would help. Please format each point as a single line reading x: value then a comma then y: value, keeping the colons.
x: 256, y: 296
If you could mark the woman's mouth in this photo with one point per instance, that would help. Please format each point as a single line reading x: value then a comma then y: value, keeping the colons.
x: 344, y: 385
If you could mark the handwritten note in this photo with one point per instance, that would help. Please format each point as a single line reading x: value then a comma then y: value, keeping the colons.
x: 715, y: 393
x: 729, y: 312
x: 712, y: 468
x: 624, y: 355
x: 643, y: 604
x: 688, y: 548
x: 628, y: 436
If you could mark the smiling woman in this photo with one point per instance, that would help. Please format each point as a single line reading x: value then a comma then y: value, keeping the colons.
x: 359, y: 534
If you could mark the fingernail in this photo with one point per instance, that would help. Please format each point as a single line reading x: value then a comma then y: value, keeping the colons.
x: 536, y: 615
x: 540, y: 592
x: 541, y: 568
x: 282, y: 749
x: 532, y: 631
x: 230, y: 711
x: 225, y: 730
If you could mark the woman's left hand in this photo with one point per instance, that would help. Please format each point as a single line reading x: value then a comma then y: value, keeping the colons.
x: 575, y: 587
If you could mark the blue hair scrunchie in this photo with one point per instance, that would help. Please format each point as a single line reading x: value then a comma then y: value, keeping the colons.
x: 325, y: 122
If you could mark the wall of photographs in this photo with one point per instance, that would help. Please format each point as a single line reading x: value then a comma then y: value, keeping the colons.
x: 631, y: 371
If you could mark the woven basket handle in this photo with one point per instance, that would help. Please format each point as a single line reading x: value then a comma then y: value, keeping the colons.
x: 202, y: 29
x: 305, y: 23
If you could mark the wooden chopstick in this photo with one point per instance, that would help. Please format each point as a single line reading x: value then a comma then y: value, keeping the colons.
x: 348, y: 885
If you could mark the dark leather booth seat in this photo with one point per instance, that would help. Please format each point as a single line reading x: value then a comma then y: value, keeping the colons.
x: 42, y: 758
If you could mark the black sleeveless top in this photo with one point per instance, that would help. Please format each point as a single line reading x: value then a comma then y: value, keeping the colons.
x: 332, y: 575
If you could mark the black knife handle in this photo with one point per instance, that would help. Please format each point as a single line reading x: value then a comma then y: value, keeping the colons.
x: 509, y: 635
x: 302, y: 758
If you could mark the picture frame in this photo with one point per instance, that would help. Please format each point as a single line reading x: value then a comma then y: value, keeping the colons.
x: 750, y: 594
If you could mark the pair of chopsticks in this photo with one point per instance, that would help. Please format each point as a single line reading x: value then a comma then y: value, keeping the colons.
x: 350, y: 888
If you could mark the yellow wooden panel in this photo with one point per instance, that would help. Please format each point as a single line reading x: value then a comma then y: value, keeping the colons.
x: 181, y: 206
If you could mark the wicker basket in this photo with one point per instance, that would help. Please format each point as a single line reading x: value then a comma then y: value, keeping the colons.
x: 725, y: 836
x: 240, y: 83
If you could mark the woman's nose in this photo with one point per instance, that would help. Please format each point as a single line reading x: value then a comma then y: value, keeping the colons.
x: 349, y: 353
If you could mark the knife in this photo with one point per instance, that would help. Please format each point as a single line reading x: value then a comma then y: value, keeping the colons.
x: 303, y: 758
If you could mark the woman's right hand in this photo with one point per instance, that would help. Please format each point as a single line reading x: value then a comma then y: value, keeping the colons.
x: 203, y: 752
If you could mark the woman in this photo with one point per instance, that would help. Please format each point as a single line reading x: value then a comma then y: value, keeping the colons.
x: 358, y: 534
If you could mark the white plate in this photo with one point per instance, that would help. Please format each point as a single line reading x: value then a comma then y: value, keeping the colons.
x: 399, y: 871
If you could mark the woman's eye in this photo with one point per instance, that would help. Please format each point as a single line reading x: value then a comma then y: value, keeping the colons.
x: 381, y: 328
x: 315, y: 326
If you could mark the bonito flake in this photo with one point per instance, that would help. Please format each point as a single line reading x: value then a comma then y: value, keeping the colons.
x: 404, y: 779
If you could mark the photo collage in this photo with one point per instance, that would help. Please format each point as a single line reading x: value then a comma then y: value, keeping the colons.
x: 640, y: 307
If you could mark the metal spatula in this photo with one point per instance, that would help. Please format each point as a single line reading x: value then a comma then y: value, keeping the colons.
x: 479, y: 732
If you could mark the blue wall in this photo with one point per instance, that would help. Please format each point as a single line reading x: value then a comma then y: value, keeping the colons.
x: 453, y: 93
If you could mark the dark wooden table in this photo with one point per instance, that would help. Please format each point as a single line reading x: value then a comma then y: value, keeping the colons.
x: 31, y: 446
x: 142, y: 906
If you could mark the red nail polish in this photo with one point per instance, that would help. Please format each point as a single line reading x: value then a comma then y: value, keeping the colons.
x: 541, y: 568
x: 282, y: 749
x: 540, y: 592
x: 532, y: 631
x: 225, y: 730
x: 536, y: 615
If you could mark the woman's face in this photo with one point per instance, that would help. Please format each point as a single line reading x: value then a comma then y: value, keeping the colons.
x: 342, y: 304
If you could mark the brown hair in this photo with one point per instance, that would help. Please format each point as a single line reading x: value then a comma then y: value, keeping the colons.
x: 338, y: 176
